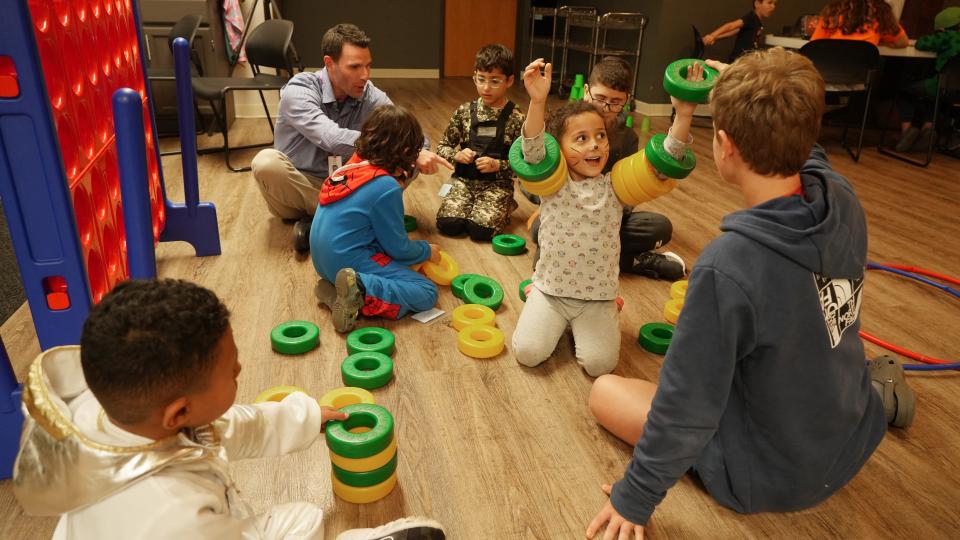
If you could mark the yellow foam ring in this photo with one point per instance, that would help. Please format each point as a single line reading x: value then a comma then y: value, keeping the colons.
x: 416, y: 267
x: 276, y: 393
x: 678, y: 289
x: 442, y: 273
x: 648, y: 179
x: 479, y: 341
x: 360, y: 429
x: 471, y: 314
x: 551, y: 184
x: 366, y: 464
x: 363, y: 495
x: 671, y: 310
x: 339, y: 398
x: 633, y: 177
x: 616, y: 178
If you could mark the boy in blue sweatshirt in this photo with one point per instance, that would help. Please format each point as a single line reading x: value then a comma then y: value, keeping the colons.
x: 764, y: 391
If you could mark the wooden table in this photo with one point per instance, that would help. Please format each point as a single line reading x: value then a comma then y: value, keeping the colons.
x: 907, y: 52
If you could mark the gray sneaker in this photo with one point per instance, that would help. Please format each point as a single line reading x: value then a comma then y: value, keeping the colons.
x: 899, y: 402
x: 325, y: 292
x: 346, y: 306
x: 410, y: 528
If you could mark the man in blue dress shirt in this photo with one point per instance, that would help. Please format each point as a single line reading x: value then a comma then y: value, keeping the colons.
x: 319, y: 120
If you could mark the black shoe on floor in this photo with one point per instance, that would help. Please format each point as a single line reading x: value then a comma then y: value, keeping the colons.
x: 667, y: 265
x: 301, y: 235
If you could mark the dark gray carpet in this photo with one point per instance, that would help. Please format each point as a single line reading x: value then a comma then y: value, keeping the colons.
x: 11, y: 289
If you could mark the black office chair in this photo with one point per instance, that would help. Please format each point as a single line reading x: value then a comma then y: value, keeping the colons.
x: 847, y: 67
x: 267, y: 45
x: 948, y: 86
x: 698, y: 46
x: 185, y: 28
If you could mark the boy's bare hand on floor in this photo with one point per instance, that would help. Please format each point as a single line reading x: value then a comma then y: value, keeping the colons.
x: 618, y: 528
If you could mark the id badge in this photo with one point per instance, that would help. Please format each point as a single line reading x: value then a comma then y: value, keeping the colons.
x: 333, y: 163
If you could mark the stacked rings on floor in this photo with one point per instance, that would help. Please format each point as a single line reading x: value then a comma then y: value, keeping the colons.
x: 363, y: 452
x: 473, y: 314
x: 441, y: 273
x: 371, y: 339
x: 295, y: 337
x: 545, y: 177
x: 678, y: 289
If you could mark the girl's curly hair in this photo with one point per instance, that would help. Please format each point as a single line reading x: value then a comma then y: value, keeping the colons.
x: 557, y: 122
x: 390, y: 138
x: 853, y: 16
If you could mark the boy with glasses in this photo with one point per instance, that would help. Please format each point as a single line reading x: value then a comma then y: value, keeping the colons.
x: 476, y: 142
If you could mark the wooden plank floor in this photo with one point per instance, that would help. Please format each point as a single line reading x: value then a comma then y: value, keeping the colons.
x: 496, y: 450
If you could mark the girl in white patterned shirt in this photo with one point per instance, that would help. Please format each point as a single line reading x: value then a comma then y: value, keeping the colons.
x: 576, y: 279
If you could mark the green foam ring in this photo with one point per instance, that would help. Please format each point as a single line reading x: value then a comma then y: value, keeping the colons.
x: 676, y: 84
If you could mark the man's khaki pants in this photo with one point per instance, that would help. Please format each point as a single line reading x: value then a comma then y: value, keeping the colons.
x: 288, y: 192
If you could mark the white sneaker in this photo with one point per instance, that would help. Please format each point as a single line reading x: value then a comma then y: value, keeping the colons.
x: 408, y: 528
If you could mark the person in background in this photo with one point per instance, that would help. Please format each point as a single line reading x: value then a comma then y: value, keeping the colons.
x: 862, y: 20
x: 748, y: 29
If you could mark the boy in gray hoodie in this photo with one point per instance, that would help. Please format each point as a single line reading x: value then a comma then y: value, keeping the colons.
x: 764, y: 391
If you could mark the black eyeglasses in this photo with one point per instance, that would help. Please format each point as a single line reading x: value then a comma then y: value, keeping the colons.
x: 608, y: 105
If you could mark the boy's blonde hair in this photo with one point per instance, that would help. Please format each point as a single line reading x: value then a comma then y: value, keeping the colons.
x: 769, y: 103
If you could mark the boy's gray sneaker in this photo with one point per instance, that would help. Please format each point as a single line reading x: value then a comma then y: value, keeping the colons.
x: 667, y: 265
x: 908, y: 139
x: 899, y: 403
x: 325, y: 292
x: 409, y: 528
x: 346, y: 306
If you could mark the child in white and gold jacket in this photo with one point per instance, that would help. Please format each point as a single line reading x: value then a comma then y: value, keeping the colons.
x: 129, y: 435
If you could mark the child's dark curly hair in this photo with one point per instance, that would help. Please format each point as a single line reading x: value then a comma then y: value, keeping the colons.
x: 494, y: 56
x: 557, y: 122
x: 391, y: 138
x: 149, y: 342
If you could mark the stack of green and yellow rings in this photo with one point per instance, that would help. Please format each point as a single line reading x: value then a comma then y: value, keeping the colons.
x: 545, y: 177
x: 634, y: 181
x: 363, y: 452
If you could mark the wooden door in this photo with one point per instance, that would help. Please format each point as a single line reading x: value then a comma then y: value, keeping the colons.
x: 469, y: 25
